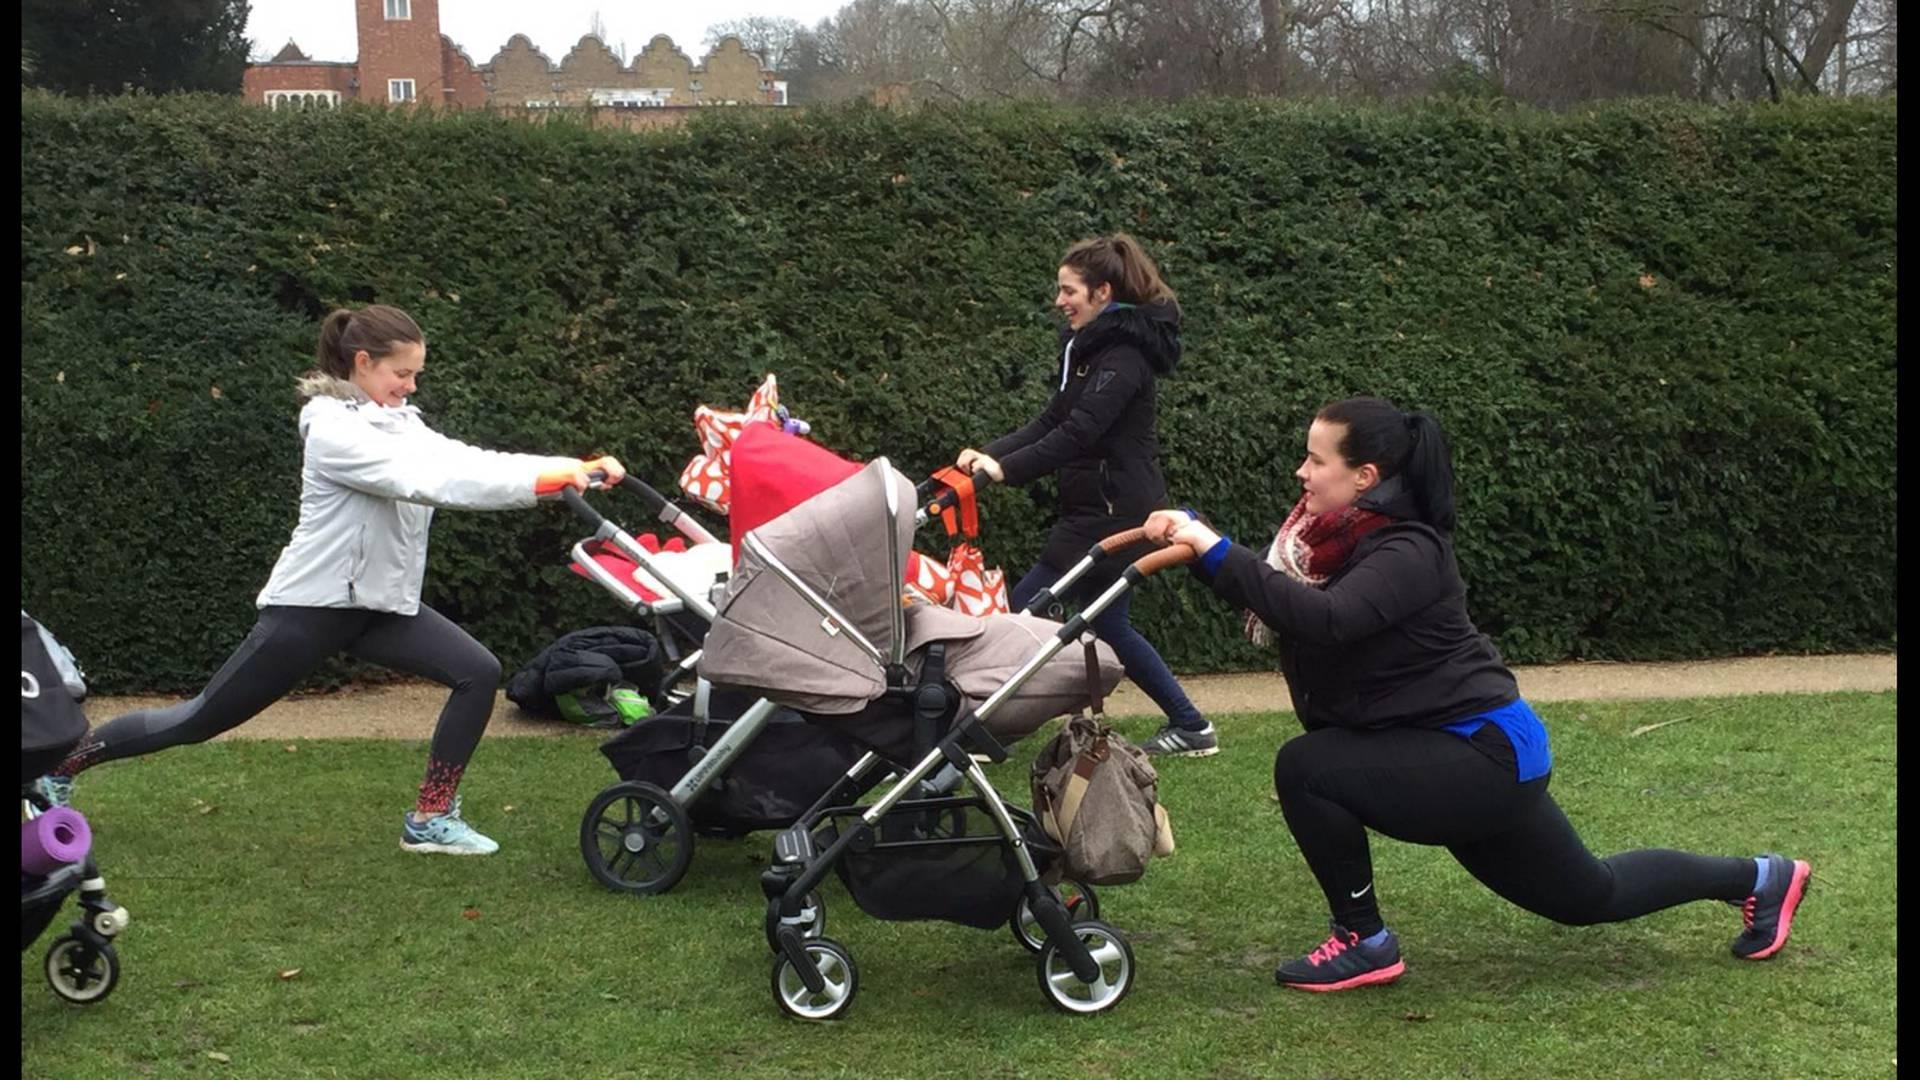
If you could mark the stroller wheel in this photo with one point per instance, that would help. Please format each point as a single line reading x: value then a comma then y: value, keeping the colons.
x: 636, y: 839
x: 1113, y: 956
x: 81, y: 973
x: 813, y: 926
x: 836, y: 968
x: 1082, y: 906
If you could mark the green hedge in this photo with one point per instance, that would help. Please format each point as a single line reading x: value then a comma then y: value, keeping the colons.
x: 1661, y: 336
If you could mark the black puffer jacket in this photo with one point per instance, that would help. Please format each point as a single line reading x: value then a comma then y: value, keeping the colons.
x: 1098, y: 431
x: 596, y: 656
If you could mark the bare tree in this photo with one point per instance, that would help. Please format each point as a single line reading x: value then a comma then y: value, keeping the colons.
x: 1754, y: 48
x: 1171, y: 49
x: 1280, y: 21
x: 1545, y: 52
x: 954, y: 49
x: 1008, y: 48
x: 882, y: 44
x: 813, y: 70
x: 1871, y: 49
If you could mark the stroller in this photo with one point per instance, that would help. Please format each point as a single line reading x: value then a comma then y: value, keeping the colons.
x: 709, y: 763
x: 656, y: 582
x: 55, y: 856
x: 813, y: 620
x: 714, y: 762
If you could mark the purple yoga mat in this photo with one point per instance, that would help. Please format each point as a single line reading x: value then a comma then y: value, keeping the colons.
x: 56, y: 838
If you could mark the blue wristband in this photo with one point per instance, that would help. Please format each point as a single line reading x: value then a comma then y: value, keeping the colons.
x: 1217, y: 554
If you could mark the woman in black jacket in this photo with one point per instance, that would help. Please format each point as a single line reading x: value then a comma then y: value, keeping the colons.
x: 1097, y: 433
x: 1414, y: 726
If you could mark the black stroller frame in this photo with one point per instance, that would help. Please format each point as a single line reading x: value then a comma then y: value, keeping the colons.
x: 1083, y: 965
x: 81, y: 965
x: 649, y: 827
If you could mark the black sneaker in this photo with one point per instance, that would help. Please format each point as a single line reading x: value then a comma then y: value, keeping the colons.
x: 1343, y: 963
x: 1769, y: 912
x: 1182, y: 742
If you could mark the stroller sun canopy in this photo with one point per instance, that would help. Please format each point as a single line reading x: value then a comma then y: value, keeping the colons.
x: 814, y: 612
x: 844, y: 551
x: 51, y: 719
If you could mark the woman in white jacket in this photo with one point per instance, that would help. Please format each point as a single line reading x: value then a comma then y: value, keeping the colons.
x: 349, y: 580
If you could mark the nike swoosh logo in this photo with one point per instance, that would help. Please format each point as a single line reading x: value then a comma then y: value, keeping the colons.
x: 1362, y: 892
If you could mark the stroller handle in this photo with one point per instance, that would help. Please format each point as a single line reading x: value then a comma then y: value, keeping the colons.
x: 579, y: 505
x: 655, y: 501
x: 1121, y: 541
x: 659, y: 505
x: 1152, y: 562
x: 1047, y: 598
x: 1166, y: 558
x: 948, y: 497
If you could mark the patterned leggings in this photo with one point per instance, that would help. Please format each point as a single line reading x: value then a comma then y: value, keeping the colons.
x: 286, y: 645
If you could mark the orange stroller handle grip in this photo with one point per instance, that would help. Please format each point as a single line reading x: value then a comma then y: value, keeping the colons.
x: 1166, y: 558
x: 959, y: 494
x: 1121, y: 541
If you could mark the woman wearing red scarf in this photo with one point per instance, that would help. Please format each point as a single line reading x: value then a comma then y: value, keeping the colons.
x: 1414, y: 726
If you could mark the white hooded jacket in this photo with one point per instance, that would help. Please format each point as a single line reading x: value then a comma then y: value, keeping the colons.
x: 370, y: 480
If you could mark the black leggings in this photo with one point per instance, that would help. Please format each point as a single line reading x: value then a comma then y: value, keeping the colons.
x: 1436, y: 788
x: 286, y: 645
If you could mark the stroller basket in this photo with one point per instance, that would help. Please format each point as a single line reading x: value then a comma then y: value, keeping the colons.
x: 941, y: 859
x: 782, y: 772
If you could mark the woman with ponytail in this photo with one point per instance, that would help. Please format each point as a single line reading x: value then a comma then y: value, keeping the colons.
x: 1414, y: 726
x: 349, y: 580
x: 1097, y: 433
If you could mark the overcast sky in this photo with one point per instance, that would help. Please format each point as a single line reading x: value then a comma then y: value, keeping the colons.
x: 325, y: 31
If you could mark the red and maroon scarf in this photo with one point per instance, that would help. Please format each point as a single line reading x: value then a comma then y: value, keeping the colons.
x: 1310, y: 548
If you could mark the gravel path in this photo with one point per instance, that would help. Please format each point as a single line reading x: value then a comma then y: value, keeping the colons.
x: 408, y: 710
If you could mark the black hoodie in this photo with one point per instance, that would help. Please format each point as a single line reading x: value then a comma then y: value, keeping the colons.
x: 1098, y: 431
x: 1386, y: 642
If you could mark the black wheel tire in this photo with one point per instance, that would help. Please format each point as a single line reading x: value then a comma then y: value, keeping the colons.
x: 636, y: 839
x: 1067, y: 993
x: 82, y: 974
x: 843, y: 980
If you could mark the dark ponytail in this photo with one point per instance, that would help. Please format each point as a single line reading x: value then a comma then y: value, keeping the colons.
x: 327, y: 353
x: 1428, y: 470
x: 1408, y: 445
x: 1121, y: 262
x: 375, y: 329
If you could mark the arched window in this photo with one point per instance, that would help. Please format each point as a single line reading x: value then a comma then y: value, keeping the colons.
x: 302, y: 99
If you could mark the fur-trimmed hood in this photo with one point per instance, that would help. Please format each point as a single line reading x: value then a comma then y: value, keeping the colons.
x: 315, y: 384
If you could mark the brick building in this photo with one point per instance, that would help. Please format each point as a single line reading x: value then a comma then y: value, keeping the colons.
x: 404, y: 59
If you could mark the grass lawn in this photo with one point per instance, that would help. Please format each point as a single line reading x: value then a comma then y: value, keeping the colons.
x: 242, y: 860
